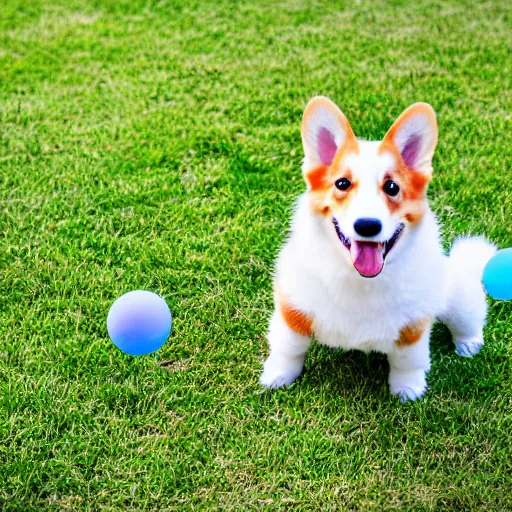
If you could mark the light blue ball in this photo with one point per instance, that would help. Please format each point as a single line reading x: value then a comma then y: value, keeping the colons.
x: 497, y: 277
x: 139, y: 322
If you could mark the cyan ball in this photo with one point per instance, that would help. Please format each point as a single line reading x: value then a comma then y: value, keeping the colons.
x: 139, y: 322
x: 497, y: 276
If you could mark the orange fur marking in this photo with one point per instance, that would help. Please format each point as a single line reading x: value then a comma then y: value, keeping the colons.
x: 415, y: 214
x: 323, y: 202
x: 411, y: 333
x: 419, y: 182
x: 316, y: 177
x: 296, y: 320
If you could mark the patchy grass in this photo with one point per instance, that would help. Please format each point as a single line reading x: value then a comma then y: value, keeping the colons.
x: 155, y: 145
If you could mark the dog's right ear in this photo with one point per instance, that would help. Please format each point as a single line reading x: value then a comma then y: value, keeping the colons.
x: 324, y: 131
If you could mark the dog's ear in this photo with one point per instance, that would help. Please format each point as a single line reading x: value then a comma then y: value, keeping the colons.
x: 324, y: 130
x: 414, y: 136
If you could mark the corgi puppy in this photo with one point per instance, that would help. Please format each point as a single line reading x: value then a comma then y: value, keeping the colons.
x: 363, y: 267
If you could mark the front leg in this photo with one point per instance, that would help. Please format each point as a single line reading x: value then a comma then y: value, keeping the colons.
x: 410, y: 360
x: 289, y: 337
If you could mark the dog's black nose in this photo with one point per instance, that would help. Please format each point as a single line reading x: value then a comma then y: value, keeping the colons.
x: 367, y: 227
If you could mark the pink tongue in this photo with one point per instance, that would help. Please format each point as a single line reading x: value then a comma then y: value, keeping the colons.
x: 367, y: 258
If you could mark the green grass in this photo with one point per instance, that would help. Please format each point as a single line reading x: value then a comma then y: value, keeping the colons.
x: 156, y: 145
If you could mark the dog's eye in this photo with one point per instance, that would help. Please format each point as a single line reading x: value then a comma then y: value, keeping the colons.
x: 342, y: 184
x: 391, y: 188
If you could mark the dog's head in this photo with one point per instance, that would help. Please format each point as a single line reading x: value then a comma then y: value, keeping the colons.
x: 369, y: 193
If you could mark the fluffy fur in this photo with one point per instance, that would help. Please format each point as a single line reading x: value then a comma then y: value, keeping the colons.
x: 348, y: 289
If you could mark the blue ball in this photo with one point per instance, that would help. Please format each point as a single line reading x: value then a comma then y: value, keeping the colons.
x: 139, y: 322
x: 497, y: 277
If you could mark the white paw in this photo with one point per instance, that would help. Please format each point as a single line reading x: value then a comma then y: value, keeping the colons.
x: 407, y: 385
x: 279, y: 372
x: 468, y: 347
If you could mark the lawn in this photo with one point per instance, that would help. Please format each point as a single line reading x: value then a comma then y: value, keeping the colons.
x: 156, y: 145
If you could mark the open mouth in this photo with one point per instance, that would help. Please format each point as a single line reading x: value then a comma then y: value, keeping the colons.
x: 368, y: 257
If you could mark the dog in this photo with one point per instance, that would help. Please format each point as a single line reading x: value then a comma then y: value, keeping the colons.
x: 363, y: 267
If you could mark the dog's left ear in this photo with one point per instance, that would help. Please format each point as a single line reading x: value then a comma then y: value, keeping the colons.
x: 414, y: 135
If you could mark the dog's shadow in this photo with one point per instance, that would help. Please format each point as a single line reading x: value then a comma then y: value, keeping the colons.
x: 345, y: 371
x: 349, y: 371
x: 441, y: 341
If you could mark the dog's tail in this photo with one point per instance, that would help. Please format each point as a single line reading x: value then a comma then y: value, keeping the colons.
x: 471, y: 254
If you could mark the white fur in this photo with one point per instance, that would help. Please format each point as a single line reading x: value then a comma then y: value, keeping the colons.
x: 418, y: 281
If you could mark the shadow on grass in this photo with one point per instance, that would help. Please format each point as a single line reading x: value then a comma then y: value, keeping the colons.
x: 345, y: 372
x: 441, y: 342
x: 356, y: 373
